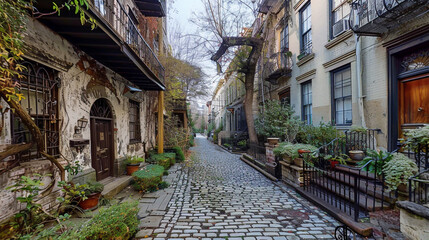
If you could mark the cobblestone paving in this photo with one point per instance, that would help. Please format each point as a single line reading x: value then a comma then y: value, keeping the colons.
x: 217, y: 196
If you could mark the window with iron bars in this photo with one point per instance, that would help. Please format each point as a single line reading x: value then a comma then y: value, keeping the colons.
x: 39, y: 85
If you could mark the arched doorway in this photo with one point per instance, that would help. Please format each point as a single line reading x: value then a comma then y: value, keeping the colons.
x: 102, y: 154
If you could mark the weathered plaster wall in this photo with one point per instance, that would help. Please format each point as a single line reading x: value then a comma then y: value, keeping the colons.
x: 83, y: 81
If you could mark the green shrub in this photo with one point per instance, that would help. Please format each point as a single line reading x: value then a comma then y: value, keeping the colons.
x: 164, y: 159
x: 148, y: 177
x: 318, y: 135
x: 163, y: 185
x: 291, y: 150
x: 116, y: 222
x: 277, y: 120
x: 398, y: 170
x: 180, y: 156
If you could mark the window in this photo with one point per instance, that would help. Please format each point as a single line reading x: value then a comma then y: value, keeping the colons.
x: 39, y: 86
x: 342, y: 96
x: 133, y: 35
x: 135, y: 135
x: 340, y: 10
x: 101, y: 6
x: 307, y: 103
x: 284, y: 44
x: 305, y: 18
x: 284, y: 97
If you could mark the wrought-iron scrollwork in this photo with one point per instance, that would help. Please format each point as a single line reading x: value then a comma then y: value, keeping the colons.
x: 101, y: 108
x: 415, y: 61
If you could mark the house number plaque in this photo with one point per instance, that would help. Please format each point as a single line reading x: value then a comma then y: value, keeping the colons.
x: 102, y: 136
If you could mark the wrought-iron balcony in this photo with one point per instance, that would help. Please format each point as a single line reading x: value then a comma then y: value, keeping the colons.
x: 278, y: 65
x: 375, y: 17
x: 180, y: 104
x: 116, y: 42
x: 152, y: 8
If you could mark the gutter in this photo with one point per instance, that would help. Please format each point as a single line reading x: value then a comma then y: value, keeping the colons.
x: 359, y: 79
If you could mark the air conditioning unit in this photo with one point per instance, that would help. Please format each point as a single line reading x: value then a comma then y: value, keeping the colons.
x: 340, y: 27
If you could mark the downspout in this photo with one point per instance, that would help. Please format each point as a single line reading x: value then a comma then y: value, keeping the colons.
x: 359, y: 79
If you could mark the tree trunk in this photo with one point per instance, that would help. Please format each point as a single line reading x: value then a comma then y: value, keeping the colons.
x: 249, y: 70
x: 248, y: 104
x: 36, y: 135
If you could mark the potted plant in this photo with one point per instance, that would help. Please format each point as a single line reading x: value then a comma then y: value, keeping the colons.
x: 398, y: 170
x: 375, y: 161
x: 300, y: 151
x: 334, y: 161
x: 273, y: 141
x: 133, y: 164
x: 92, y: 192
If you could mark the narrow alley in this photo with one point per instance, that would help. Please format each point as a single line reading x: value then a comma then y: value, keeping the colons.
x: 216, y: 195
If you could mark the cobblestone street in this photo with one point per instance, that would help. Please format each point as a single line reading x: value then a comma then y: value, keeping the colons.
x: 217, y: 196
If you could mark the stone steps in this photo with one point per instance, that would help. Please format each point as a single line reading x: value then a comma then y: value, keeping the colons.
x: 113, y: 186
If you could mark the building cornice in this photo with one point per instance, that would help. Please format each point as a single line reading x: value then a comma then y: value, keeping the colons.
x: 339, y: 59
x: 339, y: 39
x: 306, y: 75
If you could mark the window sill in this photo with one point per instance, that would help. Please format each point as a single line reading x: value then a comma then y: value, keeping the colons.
x: 305, y: 59
x: 135, y: 141
x: 343, y: 127
x: 339, y: 39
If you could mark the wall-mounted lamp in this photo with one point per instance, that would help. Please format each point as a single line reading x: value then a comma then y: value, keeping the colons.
x: 81, y: 124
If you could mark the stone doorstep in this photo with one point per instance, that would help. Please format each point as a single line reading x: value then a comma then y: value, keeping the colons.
x: 111, y: 188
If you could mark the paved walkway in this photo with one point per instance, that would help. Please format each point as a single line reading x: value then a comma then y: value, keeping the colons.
x: 217, y: 196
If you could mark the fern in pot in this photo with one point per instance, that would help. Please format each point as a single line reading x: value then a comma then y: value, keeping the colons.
x: 398, y: 170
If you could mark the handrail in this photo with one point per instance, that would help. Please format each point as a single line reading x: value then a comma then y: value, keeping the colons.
x: 118, y: 18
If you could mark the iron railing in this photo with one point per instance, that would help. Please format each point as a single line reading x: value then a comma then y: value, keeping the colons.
x: 117, y: 17
x: 418, y: 186
x: 420, y: 153
x: 361, y: 140
x: 352, y: 190
x: 381, y: 13
x: 258, y: 152
x: 277, y: 65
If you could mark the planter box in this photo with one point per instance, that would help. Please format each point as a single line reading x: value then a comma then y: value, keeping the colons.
x: 292, y: 175
x: 287, y: 159
x: 299, y: 162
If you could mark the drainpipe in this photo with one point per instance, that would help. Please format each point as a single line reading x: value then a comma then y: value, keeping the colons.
x: 359, y: 79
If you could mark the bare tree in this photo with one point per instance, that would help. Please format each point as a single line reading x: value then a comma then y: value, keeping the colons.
x: 220, y: 33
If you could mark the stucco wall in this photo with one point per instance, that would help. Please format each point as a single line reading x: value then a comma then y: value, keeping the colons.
x: 83, y: 81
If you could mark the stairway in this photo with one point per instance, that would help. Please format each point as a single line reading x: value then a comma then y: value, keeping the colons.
x: 347, y: 193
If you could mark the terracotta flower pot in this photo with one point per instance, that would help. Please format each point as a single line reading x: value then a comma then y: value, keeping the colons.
x: 131, y: 168
x: 301, y: 151
x: 90, y: 202
x: 333, y: 163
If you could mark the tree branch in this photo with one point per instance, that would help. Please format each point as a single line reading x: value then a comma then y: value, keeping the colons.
x: 14, y: 149
x: 228, y: 42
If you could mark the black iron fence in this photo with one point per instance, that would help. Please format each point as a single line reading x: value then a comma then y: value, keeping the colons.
x: 352, y: 190
x: 418, y: 186
x: 361, y: 140
x: 258, y: 152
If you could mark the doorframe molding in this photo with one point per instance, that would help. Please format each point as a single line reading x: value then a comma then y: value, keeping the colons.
x: 394, y: 56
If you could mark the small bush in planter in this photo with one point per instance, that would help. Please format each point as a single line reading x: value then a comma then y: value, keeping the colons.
x: 291, y: 150
x: 133, y: 164
x: 164, y: 159
x: 180, y: 156
x: 398, y: 170
x: 148, y: 177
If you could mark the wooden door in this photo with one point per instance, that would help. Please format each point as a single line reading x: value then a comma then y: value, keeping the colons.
x: 102, y: 154
x: 414, y: 102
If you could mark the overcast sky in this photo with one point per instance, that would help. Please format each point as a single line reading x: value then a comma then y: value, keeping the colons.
x: 180, y: 13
